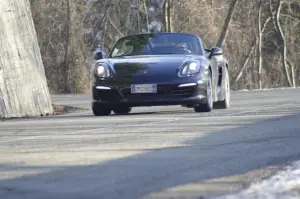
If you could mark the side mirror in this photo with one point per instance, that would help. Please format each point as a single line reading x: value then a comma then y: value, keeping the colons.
x: 215, y: 51
x: 207, y: 52
x: 98, y: 55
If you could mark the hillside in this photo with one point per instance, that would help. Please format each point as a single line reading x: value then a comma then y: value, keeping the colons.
x: 261, y: 42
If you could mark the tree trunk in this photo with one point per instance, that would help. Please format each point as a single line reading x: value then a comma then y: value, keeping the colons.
x: 169, y: 16
x: 292, y: 67
x: 147, y: 16
x: 167, y: 13
x: 23, y: 85
x: 245, y: 63
x: 282, y: 36
x: 138, y: 16
x: 260, y: 36
x: 66, y: 57
x: 156, y: 15
x: 259, y: 43
x: 228, y: 19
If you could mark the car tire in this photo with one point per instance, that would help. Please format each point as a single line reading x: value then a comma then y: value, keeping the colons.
x: 208, y: 106
x: 99, y: 110
x: 225, y: 104
x: 122, y: 110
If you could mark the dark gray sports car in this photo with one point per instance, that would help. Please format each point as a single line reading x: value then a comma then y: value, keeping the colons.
x: 160, y: 69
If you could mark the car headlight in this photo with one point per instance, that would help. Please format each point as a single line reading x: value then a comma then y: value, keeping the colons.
x: 190, y: 68
x: 102, y: 71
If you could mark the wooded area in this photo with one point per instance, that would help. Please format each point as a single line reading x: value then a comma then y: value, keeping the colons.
x: 23, y: 85
x: 260, y: 37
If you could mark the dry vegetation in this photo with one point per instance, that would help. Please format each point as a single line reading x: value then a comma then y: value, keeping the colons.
x: 260, y: 37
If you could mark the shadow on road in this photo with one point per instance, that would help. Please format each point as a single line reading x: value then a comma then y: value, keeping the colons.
x: 90, y: 114
x: 224, y: 153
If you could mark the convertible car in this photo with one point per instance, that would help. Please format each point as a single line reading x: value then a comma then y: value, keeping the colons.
x: 156, y: 69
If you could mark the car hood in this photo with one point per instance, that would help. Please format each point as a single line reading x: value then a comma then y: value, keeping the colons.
x: 149, y: 68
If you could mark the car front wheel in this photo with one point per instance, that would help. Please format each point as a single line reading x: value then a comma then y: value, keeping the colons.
x: 99, y: 110
x: 122, y: 110
x: 208, y: 106
x: 225, y: 104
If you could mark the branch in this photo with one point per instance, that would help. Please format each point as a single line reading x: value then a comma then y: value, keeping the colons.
x: 115, y: 27
x: 265, y: 24
x: 245, y: 63
x: 228, y: 19
x: 272, y: 16
x: 291, y: 17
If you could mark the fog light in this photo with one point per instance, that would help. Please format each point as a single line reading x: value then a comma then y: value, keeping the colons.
x: 103, y: 88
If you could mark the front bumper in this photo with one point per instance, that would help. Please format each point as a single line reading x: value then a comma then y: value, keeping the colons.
x: 167, y: 94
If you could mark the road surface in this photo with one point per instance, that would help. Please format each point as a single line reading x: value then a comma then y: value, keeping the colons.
x: 155, y: 152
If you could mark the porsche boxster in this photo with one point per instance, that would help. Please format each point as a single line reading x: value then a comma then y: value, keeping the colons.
x: 155, y: 69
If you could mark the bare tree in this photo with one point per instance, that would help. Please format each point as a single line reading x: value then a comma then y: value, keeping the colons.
x: 23, y: 85
x: 67, y: 43
x: 227, y: 22
x: 168, y: 16
x: 260, y: 41
x: 261, y: 28
x: 156, y: 15
x: 276, y: 19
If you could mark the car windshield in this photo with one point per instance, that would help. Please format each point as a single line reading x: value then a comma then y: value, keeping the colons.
x: 157, y: 44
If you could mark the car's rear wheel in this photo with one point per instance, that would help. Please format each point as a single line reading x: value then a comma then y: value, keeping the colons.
x: 100, y: 110
x: 225, y: 104
x: 122, y: 110
x: 208, y: 106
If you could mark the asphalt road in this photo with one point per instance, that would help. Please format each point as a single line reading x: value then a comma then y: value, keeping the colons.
x: 155, y: 152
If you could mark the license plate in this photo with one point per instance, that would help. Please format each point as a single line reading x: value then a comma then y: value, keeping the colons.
x: 144, y: 88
